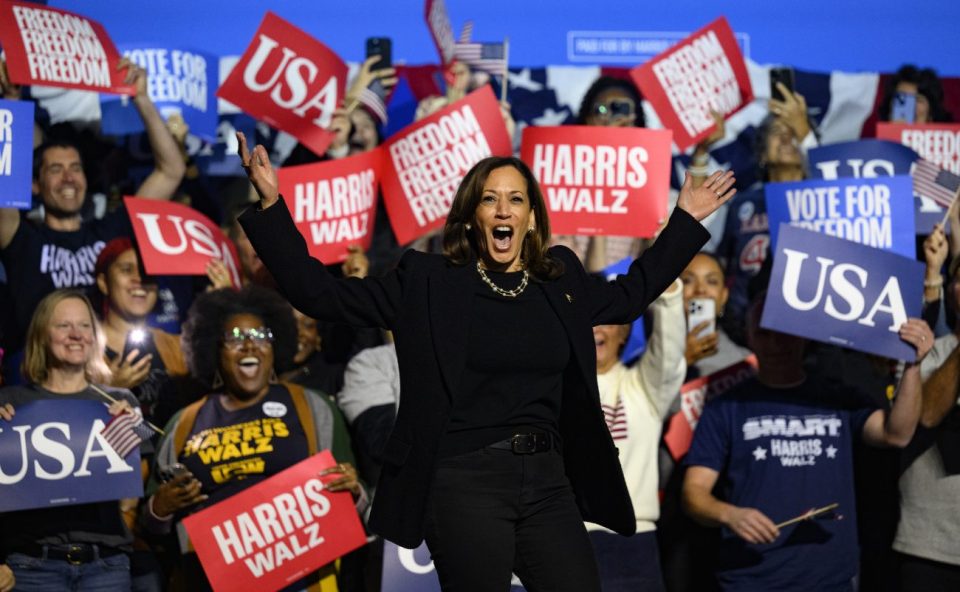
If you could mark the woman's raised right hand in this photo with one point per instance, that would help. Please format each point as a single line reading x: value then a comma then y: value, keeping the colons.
x: 260, y: 171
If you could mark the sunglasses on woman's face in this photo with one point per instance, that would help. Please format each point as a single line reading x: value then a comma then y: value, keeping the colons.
x: 260, y: 337
x: 615, y: 108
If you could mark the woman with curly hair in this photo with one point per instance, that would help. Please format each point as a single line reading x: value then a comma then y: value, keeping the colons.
x: 250, y: 426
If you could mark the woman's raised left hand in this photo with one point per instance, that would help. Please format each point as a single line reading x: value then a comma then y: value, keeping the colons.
x: 704, y: 200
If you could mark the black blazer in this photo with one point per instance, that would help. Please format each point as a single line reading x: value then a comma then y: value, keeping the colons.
x: 426, y: 301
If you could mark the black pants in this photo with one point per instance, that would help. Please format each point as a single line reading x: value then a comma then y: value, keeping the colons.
x: 492, y: 512
x: 919, y: 574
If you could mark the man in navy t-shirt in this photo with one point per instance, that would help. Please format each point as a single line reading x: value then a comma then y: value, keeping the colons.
x: 781, y: 445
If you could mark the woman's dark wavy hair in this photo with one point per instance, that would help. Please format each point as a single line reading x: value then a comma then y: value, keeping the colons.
x: 928, y: 85
x: 460, y: 246
x: 204, y: 328
x: 605, y: 83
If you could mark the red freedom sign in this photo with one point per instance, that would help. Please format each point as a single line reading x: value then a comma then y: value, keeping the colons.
x: 425, y: 162
x: 175, y: 239
x: 289, y: 80
x: 435, y: 11
x: 277, y: 532
x: 696, y: 393
x: 703, y: 72
x: 601, y: 180
x: 333, y: 203
x: 937, y: 142
x: 59, y: 48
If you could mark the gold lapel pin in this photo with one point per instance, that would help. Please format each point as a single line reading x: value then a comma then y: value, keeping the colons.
x: 569, y: 298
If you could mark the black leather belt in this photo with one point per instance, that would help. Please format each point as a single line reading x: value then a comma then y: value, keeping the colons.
x: 73, y: 553
x: 528, y: 443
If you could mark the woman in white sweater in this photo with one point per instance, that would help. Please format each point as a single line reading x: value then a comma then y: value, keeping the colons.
x: 635, y: 400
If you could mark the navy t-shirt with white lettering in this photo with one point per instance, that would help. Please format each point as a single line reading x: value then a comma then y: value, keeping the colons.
x: 784, y: 452
x: 40, y: 260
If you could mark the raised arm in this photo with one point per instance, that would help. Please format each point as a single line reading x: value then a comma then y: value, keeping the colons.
x: 629, y: 295
x: 896, y: 426
x: 940, y: 391
x: 305, y: 281
x: 169, y: 167
x: 662, y: 367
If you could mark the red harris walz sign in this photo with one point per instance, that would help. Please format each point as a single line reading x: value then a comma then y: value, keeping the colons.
x: 601, y: 180
x: 289, y: 80
x: 333, y: 203
x: 425, y: 162
x: 703, y: 72
x: 59, y: 48
x: 277, y: 532
x: 174, y: 239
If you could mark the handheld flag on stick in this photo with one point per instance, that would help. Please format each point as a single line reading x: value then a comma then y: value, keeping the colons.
x: 125, y: 432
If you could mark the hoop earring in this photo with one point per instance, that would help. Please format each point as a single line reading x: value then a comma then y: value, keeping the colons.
x: 273, y: 376
x: 217, y: 381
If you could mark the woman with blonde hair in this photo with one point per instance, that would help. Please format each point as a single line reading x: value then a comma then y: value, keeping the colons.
x: 76, y: 547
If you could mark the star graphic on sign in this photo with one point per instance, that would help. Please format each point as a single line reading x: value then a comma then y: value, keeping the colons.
x: 760, y: 453
x: 551, y: 117
x: 831, y: 451
x: 522, y: 79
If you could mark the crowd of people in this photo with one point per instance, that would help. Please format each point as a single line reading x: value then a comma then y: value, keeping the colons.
x: 601, y: 502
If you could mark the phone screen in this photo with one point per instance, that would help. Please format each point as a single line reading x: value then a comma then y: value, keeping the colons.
x: 903, y: 107
x: 380, y: 46
x: 782, y: 75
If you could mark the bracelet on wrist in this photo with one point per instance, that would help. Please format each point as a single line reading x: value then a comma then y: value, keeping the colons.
x: 699, y: 171
x: 934, y: 283
x: 701, y: 159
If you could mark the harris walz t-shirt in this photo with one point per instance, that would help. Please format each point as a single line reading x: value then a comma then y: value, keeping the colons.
x: 229, y: 451
x: 785, y: 452
x: 39, y: 260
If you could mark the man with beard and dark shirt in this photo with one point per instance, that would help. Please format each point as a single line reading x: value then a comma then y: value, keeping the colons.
x: 60, y: 252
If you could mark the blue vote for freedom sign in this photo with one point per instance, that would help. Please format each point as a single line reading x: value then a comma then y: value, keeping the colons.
x: 840, y: 292
x: 52, y: 454
x: 16, y: 153
x: 874, y: 158
x: 875, y: 212
x: 179, y: 80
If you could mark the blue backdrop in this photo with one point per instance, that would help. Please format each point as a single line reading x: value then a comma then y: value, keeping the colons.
x: 818, y: 35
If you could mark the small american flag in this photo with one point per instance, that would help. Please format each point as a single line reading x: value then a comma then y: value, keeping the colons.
x: 488, y: 57
x: 125, y: 432
x: 931, y: 181
x: 466, y: 32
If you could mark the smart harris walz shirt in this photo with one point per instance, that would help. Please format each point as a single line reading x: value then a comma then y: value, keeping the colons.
x: 784, y: 452
x: 229, y: 451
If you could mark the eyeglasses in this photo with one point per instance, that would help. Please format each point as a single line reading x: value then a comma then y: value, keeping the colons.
x: 234, y: 338
x: 615, y: 109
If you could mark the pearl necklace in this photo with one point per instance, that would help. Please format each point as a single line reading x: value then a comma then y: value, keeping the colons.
x: 497, y: 289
